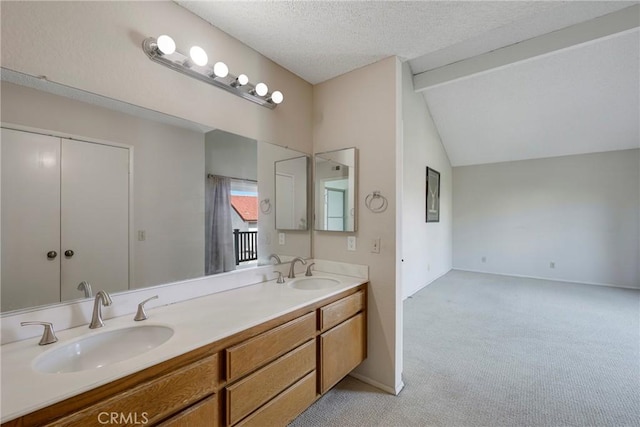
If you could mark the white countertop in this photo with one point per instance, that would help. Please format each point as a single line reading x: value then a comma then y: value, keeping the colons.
x: 195, y: 322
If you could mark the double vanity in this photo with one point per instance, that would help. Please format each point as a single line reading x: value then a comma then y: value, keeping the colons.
x: 222, y: 345
x: 252, y: 356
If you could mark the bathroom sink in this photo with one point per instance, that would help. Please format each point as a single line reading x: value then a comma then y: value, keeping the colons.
x: 313, y: 283
x: 102, y: 349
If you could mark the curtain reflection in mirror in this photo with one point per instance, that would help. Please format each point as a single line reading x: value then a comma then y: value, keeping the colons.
x: 219, y: 249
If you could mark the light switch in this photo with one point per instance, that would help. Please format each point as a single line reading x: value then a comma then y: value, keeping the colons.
x: 351, y: 243
x: 375, y: 246
x: 142, y: 235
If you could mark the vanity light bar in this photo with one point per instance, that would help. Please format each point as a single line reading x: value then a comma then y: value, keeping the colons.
x: 163, y: 51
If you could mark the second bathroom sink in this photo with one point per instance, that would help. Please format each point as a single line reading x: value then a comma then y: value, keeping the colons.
x: 313, y: 283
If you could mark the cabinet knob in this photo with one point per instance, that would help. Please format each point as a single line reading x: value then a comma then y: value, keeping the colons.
x: 52, y: 254
x: 68, y: 253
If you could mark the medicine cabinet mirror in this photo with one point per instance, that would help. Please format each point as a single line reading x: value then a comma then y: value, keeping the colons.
x: 291, y: 193
x: 335, y: 185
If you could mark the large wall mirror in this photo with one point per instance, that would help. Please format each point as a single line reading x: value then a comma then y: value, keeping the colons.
x: 98, y: 191
x: 335, y: 190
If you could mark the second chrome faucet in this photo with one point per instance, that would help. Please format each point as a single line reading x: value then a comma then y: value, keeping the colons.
x: 292, y: 274
x: 102, y: 298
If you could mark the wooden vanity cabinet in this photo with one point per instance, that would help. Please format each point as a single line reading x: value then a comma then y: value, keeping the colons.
x: 342, y: 345
x: 147, y: 397
x: 203, y: 413
x: 263, y: 376
x: 294, y: 346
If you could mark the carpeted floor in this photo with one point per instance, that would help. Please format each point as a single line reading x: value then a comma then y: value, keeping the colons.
x: 488, y: 350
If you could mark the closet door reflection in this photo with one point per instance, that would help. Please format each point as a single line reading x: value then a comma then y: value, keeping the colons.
x: 94, y: 221
x: 30, y: 219
x: 65, y: 218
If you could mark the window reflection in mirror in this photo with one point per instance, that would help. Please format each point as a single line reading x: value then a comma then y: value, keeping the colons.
x: 171, y: 161
x: 335, y: 190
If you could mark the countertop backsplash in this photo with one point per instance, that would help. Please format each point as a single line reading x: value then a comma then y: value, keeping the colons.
x: 76, y: 313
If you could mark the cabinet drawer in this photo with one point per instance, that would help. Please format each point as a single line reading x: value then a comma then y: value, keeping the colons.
x: 153, y: 400
x: 253, y: 391
x: 338, y: 311
x: 255, y: 352
x: 204, y: 413
x: 284, y: 408
x: 342, y: 349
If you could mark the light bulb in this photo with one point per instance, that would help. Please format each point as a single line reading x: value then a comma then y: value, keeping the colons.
x: 261, y: 89
x: 198, y: 56
x: 220, y: 69
x: 166, y: 45
x: 243, y: 79
x: 277, y: 97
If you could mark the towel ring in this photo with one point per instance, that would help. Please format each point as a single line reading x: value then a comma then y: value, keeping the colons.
x: 376, y: 202
x: 265, y: 206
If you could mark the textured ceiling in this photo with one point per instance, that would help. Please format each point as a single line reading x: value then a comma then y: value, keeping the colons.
x: 318, y: 40
x: 579, y: 100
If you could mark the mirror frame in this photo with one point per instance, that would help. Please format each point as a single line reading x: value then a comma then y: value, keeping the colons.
x: 355, y: 190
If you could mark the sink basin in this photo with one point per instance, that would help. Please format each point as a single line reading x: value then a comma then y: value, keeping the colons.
x: 102, y: 349
x: 313, y: 283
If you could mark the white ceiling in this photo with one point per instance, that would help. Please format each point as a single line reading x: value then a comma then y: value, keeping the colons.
x: 577, y: 100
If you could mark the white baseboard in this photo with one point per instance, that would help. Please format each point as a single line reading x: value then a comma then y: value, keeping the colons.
x: 609, y: 285
x: 426, y: 284
x: 377, y: 384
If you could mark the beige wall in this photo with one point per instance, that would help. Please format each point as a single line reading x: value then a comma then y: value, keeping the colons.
x: 96, y: 46
x: 358, y: 109
x: 579, y: 212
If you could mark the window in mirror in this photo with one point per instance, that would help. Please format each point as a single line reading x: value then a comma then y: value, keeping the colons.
x: 335, y: 190
x: 291, y: 193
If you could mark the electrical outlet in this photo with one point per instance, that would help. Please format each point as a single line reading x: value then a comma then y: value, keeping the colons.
x: 375, y: 246
x: 484, y: 259
x: 142, y: 235
x: 281, y: 238
x: 351, y: 243
x: 552, y: 264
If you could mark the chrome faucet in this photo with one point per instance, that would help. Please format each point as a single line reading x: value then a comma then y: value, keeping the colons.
x: 308, y: 273
x: 102, y: 297
x: 292, y: 274
x: 280, y: 279
x: 48, y: 336
x: 86, y: 287
x: 141, y: 314
x: 276, y: 257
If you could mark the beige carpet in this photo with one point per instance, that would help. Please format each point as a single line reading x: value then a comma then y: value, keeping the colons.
x: 488, y: 350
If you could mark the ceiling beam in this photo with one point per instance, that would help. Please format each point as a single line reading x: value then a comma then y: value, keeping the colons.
x: 604, y: 26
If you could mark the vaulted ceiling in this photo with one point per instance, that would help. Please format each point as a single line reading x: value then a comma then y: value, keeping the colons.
x: 579, y: 99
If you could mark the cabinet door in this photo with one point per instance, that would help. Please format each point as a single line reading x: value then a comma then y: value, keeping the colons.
x: 95, y: 217
x: 342, y: 349
x: 30, y: 188
x: 204, y: 413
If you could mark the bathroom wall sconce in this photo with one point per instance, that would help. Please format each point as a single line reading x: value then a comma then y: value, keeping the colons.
x: 163, y: 51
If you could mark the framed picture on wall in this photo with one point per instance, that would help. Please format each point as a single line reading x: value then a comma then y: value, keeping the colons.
x: 433, y: 195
